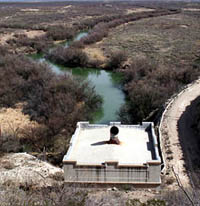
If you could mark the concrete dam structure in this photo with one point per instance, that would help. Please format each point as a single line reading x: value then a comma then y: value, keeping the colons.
x: 114, y: 153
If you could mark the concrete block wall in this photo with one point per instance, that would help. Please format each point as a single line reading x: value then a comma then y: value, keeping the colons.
x: 111, y: 173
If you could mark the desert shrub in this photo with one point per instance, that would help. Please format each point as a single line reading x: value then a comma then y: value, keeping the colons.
x: 91, y: 22
x: 18, y: 75
x: 152, y: 202
x: 57, y: 102
x: 156, y: 202
x: 3, y: 52
x: 94, y: 63
x: 145, y: 83
x: 143, y: 99
x: 77, y: 44
x: 196, y: 64
x: 60, y: 32
x: 115, y: 23
x: 116, y: 60
x: 66, y: 196
x: 96, y: 34
x: 73, y: 195
x: 71, y: 57
x: 94, y: 37
x: 40, y: 44
x: 134, y: 202
x: 62, y: 96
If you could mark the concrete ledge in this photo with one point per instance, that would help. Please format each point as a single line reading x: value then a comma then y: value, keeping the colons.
x: 109, y: 163
x: 152, y: 162
x: 116, y: 183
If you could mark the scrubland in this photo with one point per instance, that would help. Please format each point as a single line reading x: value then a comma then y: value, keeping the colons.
x: 156, y: 47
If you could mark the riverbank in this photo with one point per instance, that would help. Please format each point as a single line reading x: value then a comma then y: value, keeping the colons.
x: 107, y: 84
x: 53, y: 105
x: 157, y: 66
x: 99, y: 28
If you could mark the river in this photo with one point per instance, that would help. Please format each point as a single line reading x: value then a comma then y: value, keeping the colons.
x: 106, y: 84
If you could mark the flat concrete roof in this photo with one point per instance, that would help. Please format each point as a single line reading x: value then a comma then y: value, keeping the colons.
x: 89, y: 147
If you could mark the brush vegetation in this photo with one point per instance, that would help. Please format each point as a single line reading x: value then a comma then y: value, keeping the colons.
x: 57, y: 103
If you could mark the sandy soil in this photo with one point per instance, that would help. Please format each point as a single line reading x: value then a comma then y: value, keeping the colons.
x: 177, y: 135
x: 138, y: 10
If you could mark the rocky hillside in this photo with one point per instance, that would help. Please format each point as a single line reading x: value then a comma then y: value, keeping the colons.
x: 26, y: 171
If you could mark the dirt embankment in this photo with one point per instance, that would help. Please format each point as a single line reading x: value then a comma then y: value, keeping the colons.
x: 177, y: 136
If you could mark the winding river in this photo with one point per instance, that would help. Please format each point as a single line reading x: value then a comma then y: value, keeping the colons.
x: 106, y: 84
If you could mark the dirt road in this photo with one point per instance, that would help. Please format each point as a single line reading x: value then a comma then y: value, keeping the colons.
x: 178, y: 138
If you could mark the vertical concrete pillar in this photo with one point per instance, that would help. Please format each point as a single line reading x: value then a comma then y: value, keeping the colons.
x: 154, y: 173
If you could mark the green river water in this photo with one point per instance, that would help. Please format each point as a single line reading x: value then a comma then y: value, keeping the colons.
x: 106, y: 84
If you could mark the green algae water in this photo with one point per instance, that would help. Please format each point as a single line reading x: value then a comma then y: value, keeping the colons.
x: 105, y: 83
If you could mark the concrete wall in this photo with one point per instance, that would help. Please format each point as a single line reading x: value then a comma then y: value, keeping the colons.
x: 111, y: 173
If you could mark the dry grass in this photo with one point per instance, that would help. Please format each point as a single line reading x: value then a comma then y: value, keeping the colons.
x: 13, y: 121
x: 95, y: 53
x: 34, y: 33
x: 138, y: 10
x: 163, y: 39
